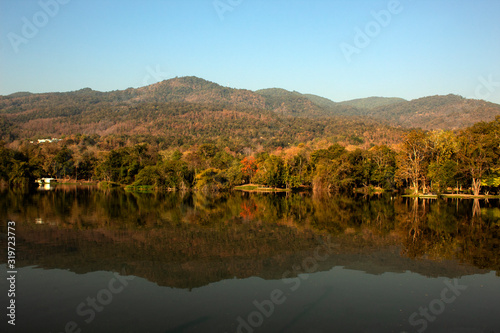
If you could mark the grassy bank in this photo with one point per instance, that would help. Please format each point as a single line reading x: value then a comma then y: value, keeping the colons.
x: 259, y: 188
x: 470, y: 196
x: 451, y: 196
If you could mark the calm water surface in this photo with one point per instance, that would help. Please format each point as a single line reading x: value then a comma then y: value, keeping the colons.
x: 90, y: 260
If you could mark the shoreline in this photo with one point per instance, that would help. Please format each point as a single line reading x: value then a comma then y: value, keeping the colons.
x: 451, y: 196
x: 259, y: 188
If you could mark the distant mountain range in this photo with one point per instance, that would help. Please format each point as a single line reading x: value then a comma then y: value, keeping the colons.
x: 373, y: 102
x: 147, y: 109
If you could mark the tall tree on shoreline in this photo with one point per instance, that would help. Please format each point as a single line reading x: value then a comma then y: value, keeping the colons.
x: 479, y: 151
x: 412, y: 160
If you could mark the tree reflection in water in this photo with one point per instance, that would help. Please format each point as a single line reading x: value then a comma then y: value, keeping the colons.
x: 195, y: 238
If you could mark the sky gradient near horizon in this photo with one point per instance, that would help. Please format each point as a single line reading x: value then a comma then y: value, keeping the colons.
x: 341, y: 49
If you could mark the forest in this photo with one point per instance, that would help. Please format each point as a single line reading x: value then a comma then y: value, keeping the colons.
x: 423, y: 161
x: 191, y: 134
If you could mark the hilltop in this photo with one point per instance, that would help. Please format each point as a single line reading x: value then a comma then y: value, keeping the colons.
x: 185, y: 111
x: 190, y: 110
x: 437, y: 112
x: 373, y: 102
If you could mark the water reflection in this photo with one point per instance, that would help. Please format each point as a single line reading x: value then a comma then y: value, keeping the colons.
x: 188, y: 239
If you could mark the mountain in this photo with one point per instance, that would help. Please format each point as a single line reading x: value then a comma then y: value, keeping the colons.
x: 304, y: 105
x: 20, y: 94
x: 286, y: 102
x: 185, y: 89
x: 195, y: 90
x: 449, y: 112
x: 321, y: 101
x: 190, y: 110
x: 373, y: 102
x: 183, y: 112
x: 178, y: 90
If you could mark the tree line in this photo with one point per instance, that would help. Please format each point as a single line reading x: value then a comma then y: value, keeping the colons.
x: 424, y: 161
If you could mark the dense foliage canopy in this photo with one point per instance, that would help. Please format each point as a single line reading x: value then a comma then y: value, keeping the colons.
x: 425, y: 161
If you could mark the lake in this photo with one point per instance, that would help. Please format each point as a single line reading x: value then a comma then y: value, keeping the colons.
x: 91, y: 260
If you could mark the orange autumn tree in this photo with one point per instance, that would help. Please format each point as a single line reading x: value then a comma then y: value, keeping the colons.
x: 249, y: 167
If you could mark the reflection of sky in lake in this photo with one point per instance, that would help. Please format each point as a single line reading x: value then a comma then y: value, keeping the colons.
x: 201, y: 264
x: 338, y: 300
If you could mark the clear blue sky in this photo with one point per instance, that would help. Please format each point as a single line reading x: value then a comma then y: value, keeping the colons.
x: 426, y: 47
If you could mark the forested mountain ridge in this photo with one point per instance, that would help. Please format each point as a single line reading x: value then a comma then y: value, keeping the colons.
x: 293, y: 103
x: 189, y: 110
x: 194, y: 90
x: 185, y: 111
x: 437, y: 112
x: 184, y: 89
x: 285, y: 102
x: 450, y: 112
x: 373, y: 102
x: 321, y: 101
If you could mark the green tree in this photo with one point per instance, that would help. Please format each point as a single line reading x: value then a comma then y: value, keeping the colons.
x: 176, y: 174
x: 221, y: 160
x: 479, y: 151
x: 383, y: 161
x: 212, y: 180
x: 493, y: 179
x: 297, y: 171
x: 208, y: 150
x: 123, y: 164
x: 271, y: 172
x: 235, y: 174
x: 63, y: 163
x: 109, y: 168
x: 442, y: 174
x: 361, y: 167
x: 149, y: 175
x: 20, y: 173
x: 334, y: 175
x: 443, y: 146
x: 6, y: 161
x: 333, y: 152
x: 85, y: 166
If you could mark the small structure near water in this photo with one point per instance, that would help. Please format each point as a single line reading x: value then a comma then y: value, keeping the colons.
x: 45, y: 182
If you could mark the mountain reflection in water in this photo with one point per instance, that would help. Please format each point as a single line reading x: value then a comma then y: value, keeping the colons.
x: 189, y: 240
